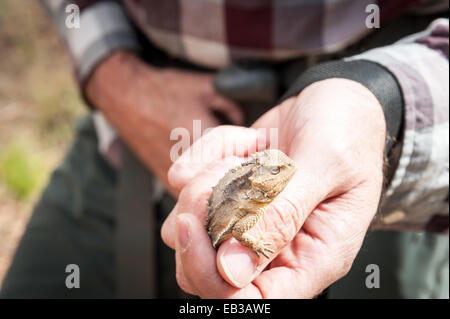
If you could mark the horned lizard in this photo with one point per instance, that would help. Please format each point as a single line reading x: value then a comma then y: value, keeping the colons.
x: 239, y: 199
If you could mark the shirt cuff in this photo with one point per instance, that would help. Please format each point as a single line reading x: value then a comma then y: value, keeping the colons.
x: 373, y: 76
x: 417, y: 197
x: 104, y: 28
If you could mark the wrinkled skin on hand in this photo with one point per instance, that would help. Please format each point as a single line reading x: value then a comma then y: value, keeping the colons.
x: 335, y: 132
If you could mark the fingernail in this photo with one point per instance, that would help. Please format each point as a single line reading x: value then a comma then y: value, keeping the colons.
x: 183, y: 232
x: 239, y: 265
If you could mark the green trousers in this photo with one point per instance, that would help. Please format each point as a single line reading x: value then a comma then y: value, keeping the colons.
x: 75, y: 223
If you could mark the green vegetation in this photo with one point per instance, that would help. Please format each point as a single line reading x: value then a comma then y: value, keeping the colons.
x: 39, y: 104
x: 58, y: 109
x: 39, y: 99
x: 20, y: 170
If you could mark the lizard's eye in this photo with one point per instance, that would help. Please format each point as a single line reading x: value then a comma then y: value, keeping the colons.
x: 275, y: 170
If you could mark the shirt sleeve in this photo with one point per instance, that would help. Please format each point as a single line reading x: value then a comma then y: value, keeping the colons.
x: 417, y: 197
x: 103, y: 28
x: 410, y: 78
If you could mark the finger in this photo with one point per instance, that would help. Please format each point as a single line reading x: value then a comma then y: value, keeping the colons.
x: 307, y: 267
x: 216, y: 144
x: 194, y: 196
x: 202, y: 277
x: 192, y: 242
x: 182, y: 242
x: 168, y: 229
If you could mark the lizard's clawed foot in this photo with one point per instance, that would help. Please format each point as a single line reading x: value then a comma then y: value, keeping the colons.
x: 262, y: 248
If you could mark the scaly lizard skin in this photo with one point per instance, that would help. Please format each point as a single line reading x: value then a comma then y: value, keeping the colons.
x: 239, y: 199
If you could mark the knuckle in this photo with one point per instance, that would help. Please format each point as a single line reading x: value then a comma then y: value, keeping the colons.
x: 182, y: 281
x: 345, y: 269
x: 342, y: 269
x: 194, y: 196
x: 334, y: 269
x: 342, y: 155
x: 345, y: 163
x: 201, y: 202
x: 175, y: 178
x: 341, y: 262
x: 189, y: 193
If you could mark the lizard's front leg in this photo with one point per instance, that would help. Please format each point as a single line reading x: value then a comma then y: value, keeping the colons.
x: 243, y: 225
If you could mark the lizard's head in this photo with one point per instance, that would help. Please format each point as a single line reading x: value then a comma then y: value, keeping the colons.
x: 272, y: 171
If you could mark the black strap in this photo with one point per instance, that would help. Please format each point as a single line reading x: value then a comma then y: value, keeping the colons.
x: 375, y: 77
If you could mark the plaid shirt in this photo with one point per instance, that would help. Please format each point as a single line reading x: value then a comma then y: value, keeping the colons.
x: 214, y: 33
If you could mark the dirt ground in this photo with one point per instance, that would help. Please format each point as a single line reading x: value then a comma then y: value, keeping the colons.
x: 39, y: 104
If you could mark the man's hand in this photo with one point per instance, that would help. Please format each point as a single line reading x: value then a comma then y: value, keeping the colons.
x: 144, y: 104
x: 335, y: 131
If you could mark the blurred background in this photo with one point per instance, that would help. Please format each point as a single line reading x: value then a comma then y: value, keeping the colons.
x: 39, y: 104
